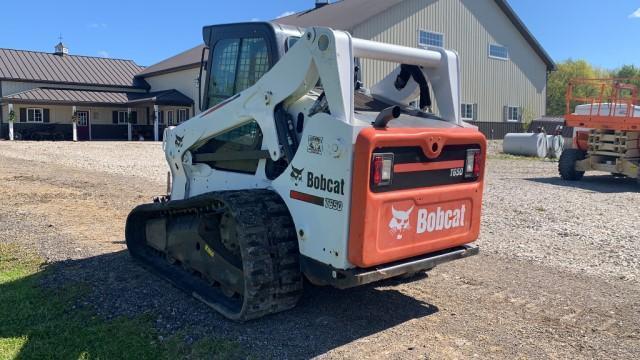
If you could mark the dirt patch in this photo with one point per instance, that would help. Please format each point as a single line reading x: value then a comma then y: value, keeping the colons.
x: 86, y: 206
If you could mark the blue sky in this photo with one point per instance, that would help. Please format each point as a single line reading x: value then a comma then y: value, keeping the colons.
x: 604, y: 32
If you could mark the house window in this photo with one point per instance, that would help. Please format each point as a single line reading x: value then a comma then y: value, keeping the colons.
x: 428, y: 38
x: 468, y: 112
x: 34, y: 115
x: 513, y: 113
x: 122, y: 117
x: 182, y: 115
x: 498, y: 52
x: 82, y: 118
x: 170, y: 118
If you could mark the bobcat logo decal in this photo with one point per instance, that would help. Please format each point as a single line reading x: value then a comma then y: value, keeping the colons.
x: 296, y: 175
x: 178, y: 141
x: 400, y: 222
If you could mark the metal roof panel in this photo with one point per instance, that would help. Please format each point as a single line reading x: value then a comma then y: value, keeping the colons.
x: 73, y: 69
x: 79, y: 97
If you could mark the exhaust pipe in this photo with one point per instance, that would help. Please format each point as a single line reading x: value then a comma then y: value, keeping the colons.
x: 385, y: 116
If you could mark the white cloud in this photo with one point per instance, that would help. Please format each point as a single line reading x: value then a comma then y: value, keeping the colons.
x: 635, y: 15
x: 97, y: 26
x: 255, y: 19
x: 103, y: 53
x: 286, y: 13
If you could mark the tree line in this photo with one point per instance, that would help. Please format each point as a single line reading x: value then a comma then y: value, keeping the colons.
x: 581, y: 69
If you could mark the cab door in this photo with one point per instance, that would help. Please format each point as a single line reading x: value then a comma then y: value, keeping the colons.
x: 241, y: 54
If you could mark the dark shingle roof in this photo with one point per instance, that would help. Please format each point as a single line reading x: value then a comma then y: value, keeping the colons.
x: 36, y: 66
x: 185, y: 60
x: 84, y: 97
x: 347, y: 14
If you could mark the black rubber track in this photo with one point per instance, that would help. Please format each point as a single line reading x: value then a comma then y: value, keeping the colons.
x: 567, y: 164
x: 268, y: 246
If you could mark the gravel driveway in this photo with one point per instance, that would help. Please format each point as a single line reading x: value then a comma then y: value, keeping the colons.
x: 101, y: 156
x: 557, y: 276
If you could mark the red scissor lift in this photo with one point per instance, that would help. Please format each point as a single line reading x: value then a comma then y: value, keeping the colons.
x: 606, y: 120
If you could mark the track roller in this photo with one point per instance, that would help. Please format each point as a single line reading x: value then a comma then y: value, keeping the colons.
x: 236, y: 251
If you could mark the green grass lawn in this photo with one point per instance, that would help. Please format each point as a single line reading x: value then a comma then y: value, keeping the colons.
x: 37, y: 323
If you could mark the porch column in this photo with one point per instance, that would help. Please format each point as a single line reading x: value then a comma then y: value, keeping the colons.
x: 129, y: 127
x: 74, y: 120
x: 11, y: 120
x: 156, y: 113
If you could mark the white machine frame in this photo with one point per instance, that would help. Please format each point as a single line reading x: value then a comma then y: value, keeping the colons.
x: 325, y: 54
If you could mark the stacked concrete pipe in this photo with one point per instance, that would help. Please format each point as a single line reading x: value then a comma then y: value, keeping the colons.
x: 525, y: 144
x: 555, y: 146
x: 537, y: 145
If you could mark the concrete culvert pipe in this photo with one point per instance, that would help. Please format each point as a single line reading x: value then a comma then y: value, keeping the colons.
x: 525, y: 144
x: 555, y: 146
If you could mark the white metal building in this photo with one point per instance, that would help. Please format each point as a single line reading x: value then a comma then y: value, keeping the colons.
x: 504, y: 69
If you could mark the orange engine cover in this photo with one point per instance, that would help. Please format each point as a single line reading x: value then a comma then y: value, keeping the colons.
x: 411, y: 221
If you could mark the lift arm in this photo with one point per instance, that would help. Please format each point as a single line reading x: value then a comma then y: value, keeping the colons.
x: 324, y: 54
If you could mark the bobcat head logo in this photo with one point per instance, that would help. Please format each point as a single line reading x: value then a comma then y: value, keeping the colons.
x: 179, y: 140
x: 296, y: 175
x: 400, y: 222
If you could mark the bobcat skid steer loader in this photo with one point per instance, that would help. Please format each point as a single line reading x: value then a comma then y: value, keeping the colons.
x: 293, y: 169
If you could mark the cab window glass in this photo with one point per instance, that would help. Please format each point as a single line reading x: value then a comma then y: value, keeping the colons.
x: 237, y: 64
x: 254, y: 62
x: 247, y: 137
x: 223, y: 71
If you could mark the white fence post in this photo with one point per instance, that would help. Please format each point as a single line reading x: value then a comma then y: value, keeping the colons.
x: 74, y: 120
x: 156, y: 133
x: 129, y: 128
x: 11, y: 123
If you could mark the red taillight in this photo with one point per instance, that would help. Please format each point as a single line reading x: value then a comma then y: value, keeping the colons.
x: 472, y: 164
x: 382, y: 169
x: 477, y: 160
x: 377, y: 170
